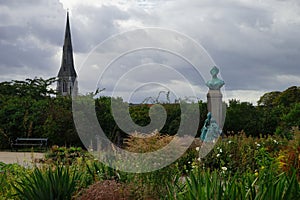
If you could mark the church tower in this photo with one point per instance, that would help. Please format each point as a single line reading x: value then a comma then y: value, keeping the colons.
x: 66, y: 84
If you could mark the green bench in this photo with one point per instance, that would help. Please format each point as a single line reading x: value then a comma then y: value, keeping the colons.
x: 41, y: 143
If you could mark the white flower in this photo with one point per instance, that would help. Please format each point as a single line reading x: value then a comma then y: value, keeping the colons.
x: 199, y: 159
x: 218, y: 155
x: 229, y: 142
x: 275, y: 141
x: 221, y: 150
x: 189, y: 162
x: 197, y: 148
x: 224, y: 168
x: 257, y: 144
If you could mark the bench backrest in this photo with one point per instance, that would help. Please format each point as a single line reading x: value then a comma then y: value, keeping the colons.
x: 43, y: 141
x: 32, y: 139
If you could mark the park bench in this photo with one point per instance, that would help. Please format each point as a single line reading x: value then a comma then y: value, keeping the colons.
x: 41, y: 143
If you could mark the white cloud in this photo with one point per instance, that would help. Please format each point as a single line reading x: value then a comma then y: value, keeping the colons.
x: 251, y: 96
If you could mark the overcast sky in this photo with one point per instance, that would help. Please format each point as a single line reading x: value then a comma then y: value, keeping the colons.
x: 255, y: 43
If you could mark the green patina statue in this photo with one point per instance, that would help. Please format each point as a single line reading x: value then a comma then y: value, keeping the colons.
x: 210, y: 131
x: 215, y: 83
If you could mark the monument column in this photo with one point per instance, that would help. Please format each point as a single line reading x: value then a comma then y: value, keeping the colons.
x: 215, y: 106
x: 214, y: 97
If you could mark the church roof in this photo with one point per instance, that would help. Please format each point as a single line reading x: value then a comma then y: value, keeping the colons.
x: 67, y: 64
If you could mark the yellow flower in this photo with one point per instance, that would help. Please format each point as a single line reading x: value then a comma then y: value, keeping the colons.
x: 256, y: 173
x: 262, y: 167
x: 281, y: 164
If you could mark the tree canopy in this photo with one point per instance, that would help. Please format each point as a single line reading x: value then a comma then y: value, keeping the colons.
x: 30, y: 109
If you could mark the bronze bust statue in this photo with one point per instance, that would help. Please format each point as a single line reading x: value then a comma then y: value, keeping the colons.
x: 215, y: 83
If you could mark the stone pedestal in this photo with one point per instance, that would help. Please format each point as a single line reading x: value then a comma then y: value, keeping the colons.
x: 215, y: 106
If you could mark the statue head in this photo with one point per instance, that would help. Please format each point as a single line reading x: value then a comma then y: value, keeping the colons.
x: 214, y: 71
x: 215, y: 83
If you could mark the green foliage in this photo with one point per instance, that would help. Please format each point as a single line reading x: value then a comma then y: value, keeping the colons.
x: 59, y: 183
x: 286, y: 98
x: 293, y: 117
x: 268, y: 99
x: 100, y: 171
x: 105, y: 118
x: 272, y: 115
x: 36, y: 88
x: 239, y: 167
x: 9, y: 174
x: 240, y: 154
x: 242, y: 116
x: 151, y: 185
x: 140, y: 115
x: 28, y: 110
x: 289, y: 157
x: 214, y: 185
x: 64, y: 155
x: 282, y: 186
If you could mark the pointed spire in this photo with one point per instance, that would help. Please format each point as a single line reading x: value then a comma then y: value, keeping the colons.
x: 67, y: 73
x: 68, y: 33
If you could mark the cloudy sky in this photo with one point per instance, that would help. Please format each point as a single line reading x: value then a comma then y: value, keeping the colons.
x: 255, y: 43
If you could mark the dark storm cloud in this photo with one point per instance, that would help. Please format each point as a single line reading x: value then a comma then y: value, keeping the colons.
x: 255, y: 43
x: 91, y: 25
x: 30, y: 33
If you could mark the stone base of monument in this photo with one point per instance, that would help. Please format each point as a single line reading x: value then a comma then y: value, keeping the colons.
x: 215, y: 106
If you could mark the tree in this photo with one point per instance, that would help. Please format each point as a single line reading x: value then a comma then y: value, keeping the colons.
x: 242, y: 116
x: 268, y: 99
x: 36, y: 88
x: 288, y: 97
x: 28, y: 110
x: 292, y: 119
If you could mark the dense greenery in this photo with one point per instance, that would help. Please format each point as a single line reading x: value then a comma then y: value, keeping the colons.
x: 257, y: 158
x: 30, y: 109
x: 27, y: 109
x: 239, y: 167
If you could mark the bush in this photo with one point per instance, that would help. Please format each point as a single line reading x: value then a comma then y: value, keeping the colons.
x: 9, y: 174
x: 65, y: 155
x: 241, y: 154
x: 214, y: 185
x: 59, y: 183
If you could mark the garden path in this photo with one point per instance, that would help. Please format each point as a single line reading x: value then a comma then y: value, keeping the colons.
x: 22, y: 158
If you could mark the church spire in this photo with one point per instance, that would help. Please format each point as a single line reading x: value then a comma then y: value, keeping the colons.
x: 67, y: 74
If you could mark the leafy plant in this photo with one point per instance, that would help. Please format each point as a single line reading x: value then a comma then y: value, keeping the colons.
x: 9, y: 174
x: 51, y: 184
x: 100, y: 171
x: 213, y: 185
x: 65, y: 155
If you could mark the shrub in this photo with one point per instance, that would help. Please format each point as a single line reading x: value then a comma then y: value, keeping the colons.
x: 243, y: 154
x: 289, y: 157
x: 65, y: 155
x: 51, y: 184
x: 214, y: 185
x: 146, y: 185
x: 9, y: 173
